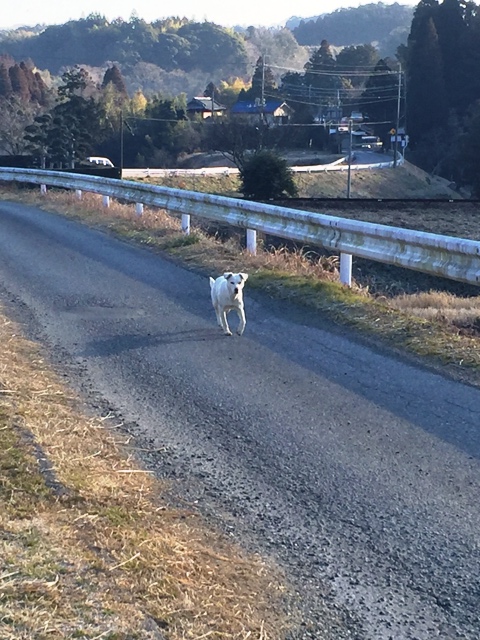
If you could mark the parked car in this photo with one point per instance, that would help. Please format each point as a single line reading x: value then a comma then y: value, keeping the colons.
x: 98, y: 161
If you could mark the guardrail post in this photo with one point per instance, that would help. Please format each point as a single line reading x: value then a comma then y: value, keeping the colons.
x: 78, y: 193
x: 252, y: 241
x: 186, y: 223
x: 106, y: 201
x: 139, y: 208
x: 43, y: 189
x: 346, y: 269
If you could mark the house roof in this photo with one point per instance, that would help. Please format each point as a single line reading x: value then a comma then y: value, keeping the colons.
x: 202, y: 103
x: 270, y: 107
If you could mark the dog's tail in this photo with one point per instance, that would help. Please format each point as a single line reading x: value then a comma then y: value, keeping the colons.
x: 212, y: 282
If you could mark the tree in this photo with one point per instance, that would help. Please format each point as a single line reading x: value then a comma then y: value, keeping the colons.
x: 19, y: 82
x: 76, y: 122
x: 5, y: 83
x: 16, y: 116
x: 235, y: 140
x: 427, y: 105
x: 114, y: 77
x: 468, y: 153
x: 353, y: 60
x: 263, y: 82
x: 379, y: 99
x: 37, y: 136
x: 266, y: 176
x: 322, y: 79
x: 211, y: 91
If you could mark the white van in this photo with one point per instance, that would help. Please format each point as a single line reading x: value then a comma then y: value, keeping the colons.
x: 99, y: 161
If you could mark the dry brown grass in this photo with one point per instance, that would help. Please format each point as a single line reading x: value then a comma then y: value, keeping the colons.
x: 88, y: 547
x: 441, y: 306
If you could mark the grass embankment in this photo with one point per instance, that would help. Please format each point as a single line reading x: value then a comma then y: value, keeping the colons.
x: 88, y: 548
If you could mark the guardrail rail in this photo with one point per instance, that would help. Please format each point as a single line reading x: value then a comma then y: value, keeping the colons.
x: 445, y: 256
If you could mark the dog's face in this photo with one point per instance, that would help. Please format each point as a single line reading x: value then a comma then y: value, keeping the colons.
x: 235, y: 283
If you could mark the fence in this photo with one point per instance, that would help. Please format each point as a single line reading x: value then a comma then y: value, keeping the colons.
x: 445, y: 256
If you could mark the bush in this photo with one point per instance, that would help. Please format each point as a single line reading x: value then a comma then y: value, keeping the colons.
x: 266, y: 176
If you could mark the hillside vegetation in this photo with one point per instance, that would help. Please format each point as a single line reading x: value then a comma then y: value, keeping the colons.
x: 167, y: 54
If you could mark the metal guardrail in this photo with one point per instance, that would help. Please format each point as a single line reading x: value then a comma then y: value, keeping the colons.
x: 445, y: 256
x: 338, y: 165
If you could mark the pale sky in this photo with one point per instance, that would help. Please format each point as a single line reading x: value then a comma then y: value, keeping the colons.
x: 226, y: 13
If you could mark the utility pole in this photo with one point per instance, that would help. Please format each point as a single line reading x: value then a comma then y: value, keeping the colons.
x: 397, y: 124
x: 262, y: 103
x: 349, y: 173
x: 121, y: 143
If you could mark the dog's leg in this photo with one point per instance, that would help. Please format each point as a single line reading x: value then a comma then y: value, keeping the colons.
x: 217, y: 313
x: 243, y: 322
x: 224, y: 323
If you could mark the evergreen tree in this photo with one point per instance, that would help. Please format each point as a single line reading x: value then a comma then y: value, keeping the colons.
x: 5, y: 83
x: 263, y: 81
x: 211, y: 91
x: 468, y: 166
x: 452, y: 30
x: 427, y: 105
x: 19, y: 82
x: 379, y: 100
x: 321, y: 78
x: 114, y: 77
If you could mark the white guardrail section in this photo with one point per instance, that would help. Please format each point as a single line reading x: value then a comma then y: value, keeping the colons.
x: 446, y: 256
x: 338, y: 165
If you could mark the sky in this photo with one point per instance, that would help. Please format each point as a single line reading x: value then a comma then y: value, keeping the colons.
x: 226, y: 13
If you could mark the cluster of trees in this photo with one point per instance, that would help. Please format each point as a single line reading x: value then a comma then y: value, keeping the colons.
x: 444, y: 87
x: 170, y: 44
x: 21, y: 81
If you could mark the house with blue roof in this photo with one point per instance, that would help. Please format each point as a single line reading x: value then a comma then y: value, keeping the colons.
x: 272, y: 112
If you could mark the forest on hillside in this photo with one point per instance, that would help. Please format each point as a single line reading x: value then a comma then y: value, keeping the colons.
x: 176, y: 55
x: 99, y: 83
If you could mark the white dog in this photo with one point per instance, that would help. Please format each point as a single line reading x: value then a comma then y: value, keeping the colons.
x: 227, y: 294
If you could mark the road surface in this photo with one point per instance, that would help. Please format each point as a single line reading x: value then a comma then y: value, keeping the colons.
x: 357, y: 471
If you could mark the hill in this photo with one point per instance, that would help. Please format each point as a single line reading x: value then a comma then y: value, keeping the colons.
x: 173, y: 56
x: 385, y: 26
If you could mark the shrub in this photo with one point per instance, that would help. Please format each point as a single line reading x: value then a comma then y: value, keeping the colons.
x: 266, y: 176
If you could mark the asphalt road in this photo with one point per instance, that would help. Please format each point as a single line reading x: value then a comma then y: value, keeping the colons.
x: 357, y: 471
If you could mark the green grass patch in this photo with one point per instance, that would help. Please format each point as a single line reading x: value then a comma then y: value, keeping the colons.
x: 22, y: 486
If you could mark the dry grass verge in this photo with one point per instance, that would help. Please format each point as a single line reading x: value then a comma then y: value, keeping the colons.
x: 87, y: 547
x: 440, y: 337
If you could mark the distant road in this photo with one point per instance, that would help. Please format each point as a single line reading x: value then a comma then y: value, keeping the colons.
x: 361, y: 159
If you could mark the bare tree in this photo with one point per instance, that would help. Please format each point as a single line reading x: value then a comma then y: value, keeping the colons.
x: 16, y: 116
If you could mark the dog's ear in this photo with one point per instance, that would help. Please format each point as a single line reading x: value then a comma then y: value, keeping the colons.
x: 244, y: 276
x: 227, y: 275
